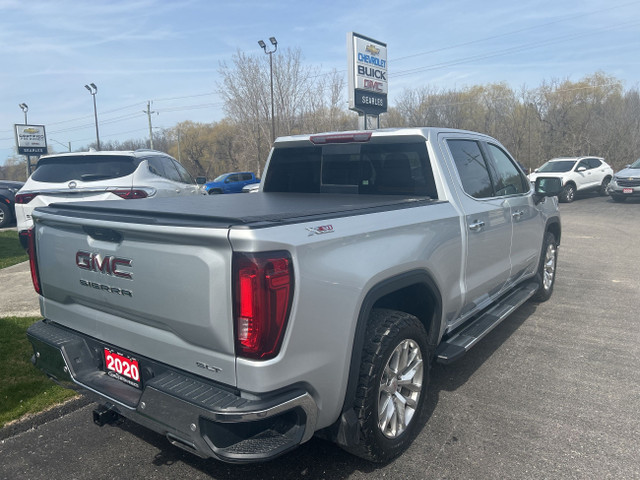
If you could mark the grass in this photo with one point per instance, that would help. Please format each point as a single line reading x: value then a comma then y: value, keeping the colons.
x: 11, y: 252
x: 24, y: 389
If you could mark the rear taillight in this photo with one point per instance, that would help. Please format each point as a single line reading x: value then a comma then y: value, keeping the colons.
x: 28, y: 238
x: 263, y: 289
x: 130, y: 194
x: 24, y: 198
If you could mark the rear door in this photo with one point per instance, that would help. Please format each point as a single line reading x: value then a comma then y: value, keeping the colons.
x: 487, y: 224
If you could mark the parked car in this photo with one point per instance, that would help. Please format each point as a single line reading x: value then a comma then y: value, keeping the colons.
x: 8, y: 191
x: 625, y: 183
x: 232, y: 182
x: 578, y: 174
x: 89, y: 176
x: 251, y: 188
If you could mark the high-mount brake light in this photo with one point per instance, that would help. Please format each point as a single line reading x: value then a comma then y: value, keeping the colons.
x: 130, y: 194
x: 24, y: 198
x: 263, y: 289
x: 29, y: 237
x: 359, y: 137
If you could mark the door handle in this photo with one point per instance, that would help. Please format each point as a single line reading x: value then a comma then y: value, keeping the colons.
x: 517, y: 214
x: 476, y: 226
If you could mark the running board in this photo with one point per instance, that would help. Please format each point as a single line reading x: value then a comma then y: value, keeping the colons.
x: 453, y: 348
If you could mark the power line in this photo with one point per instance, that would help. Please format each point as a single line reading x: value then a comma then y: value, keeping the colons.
x: 507, y: 51
x: 513, y: 32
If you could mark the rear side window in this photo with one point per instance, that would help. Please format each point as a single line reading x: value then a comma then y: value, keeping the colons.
x: 184, y: 175
x: 373, y: 168
x: 472, y: 168
x: 89, y: 168
x: 170, y: 169
x: 593, y: 162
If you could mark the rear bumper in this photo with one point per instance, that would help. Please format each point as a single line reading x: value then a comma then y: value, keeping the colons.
x: 196, y: 414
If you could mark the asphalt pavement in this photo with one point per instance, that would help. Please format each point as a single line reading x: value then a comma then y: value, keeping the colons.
x: 551, y: 393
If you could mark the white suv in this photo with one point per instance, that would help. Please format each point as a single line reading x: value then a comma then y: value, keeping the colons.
x: 89, y: 176
x: 578, y: 174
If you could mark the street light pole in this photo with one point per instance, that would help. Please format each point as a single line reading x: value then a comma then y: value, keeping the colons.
x: 93, y: 90
x: 25, y: 108
x: 274, y: 42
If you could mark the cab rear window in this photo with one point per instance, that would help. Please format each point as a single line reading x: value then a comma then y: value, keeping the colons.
x: 373, y: 168
x: 85, y: 168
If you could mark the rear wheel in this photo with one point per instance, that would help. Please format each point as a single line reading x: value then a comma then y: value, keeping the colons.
x: 547, y: 269
x: 5, y: 215
x: 568, y: 193
x: 394, y: 375
x: 604, y: 185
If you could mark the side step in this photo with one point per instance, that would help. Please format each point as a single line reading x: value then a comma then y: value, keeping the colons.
x: 455, y: 347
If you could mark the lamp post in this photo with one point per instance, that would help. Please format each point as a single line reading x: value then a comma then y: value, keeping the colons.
x: 93, y: 90
x: 25, y: 109
x: 263, y: 45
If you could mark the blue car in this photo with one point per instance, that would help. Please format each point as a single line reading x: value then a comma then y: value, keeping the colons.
x: 230, y: 182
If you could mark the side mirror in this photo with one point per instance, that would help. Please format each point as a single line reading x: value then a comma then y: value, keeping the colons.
x: 547, y: 187
x: 581, y: 169
x: 535, y: 171
x: 201, y: 180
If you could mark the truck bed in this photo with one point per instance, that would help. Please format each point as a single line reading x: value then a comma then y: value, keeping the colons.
x: 225, y: 211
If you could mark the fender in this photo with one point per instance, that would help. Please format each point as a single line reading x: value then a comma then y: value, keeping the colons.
x: 345, y: 430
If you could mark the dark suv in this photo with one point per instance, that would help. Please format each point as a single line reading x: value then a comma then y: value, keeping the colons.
x: 8, y: 191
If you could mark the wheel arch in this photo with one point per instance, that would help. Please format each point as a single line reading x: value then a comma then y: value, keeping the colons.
x: 414, y: 292
x: 553, y: 225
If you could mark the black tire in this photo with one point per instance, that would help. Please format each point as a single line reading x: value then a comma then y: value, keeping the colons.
x: 215, y: 192
x: 568, y: 193
x: 389, y: 335
x: 618, y: 198
x: 604, y: 185
x: 546, y: 276
x: 5, y: 215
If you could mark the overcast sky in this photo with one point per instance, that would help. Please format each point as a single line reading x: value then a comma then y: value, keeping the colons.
x: 170, y: 51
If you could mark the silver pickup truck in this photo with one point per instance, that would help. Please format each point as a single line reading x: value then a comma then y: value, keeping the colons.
x: 240, y: 326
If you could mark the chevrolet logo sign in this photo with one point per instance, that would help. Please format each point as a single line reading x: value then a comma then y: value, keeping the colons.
x: 372, y: 50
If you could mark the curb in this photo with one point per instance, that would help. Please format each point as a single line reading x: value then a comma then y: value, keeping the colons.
x: 35, y: 420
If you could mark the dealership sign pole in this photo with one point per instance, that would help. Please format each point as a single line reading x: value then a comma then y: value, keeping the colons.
x: 30, y: 140
x: 368, y: 85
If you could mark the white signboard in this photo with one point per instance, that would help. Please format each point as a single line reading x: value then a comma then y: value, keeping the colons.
x: 31, y: 139
x: 368, y: 82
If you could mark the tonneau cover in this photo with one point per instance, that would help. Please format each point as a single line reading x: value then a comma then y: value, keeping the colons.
x: 253, y: 210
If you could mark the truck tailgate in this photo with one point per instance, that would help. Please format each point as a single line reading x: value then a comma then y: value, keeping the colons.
x: 154, y: 290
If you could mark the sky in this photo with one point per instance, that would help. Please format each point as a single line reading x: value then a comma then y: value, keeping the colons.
x: 169, y: 52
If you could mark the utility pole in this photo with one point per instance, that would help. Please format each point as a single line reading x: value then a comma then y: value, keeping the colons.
x: 149, y: 112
